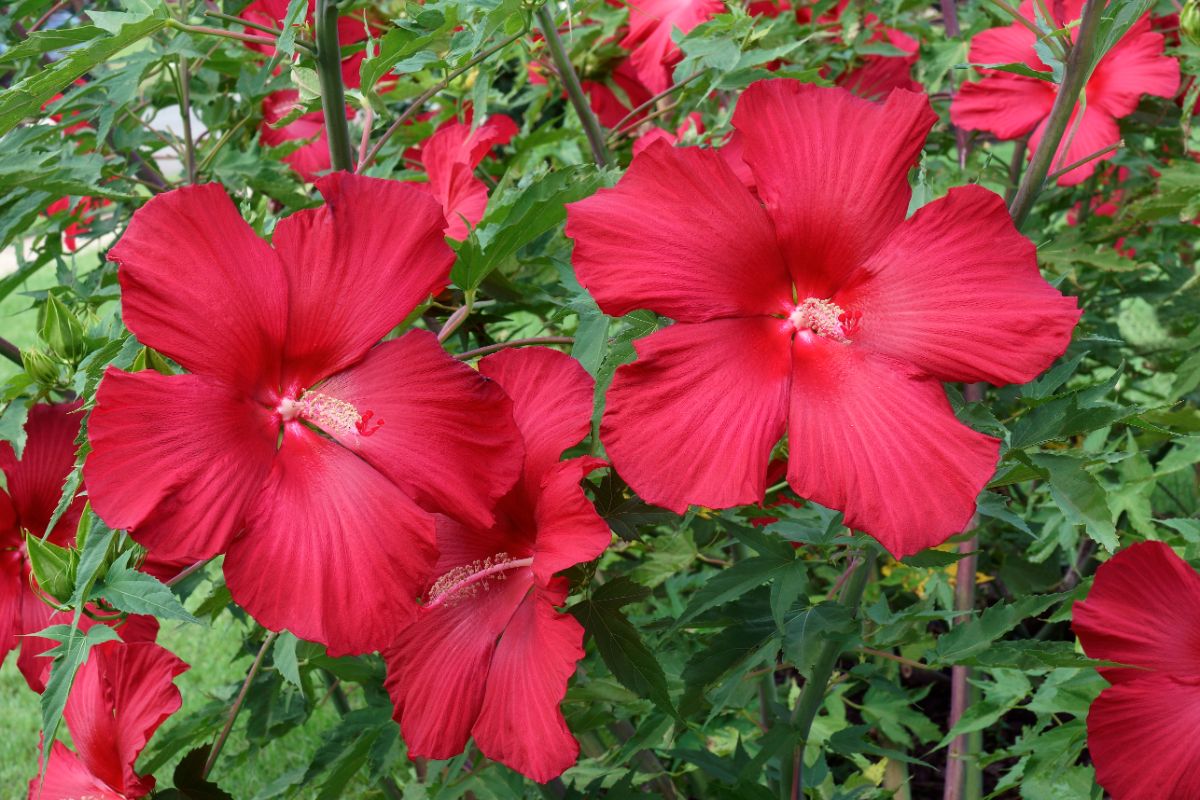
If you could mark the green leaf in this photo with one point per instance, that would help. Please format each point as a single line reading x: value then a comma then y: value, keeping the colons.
x: 934, y: 559
x: 45, y: 41
x: 190, y: 782
x: 732, y: 583
x: 139, y: 593
x: 1079, y: 495
x: 620, y: 644
x: 968, y: 639
x: 26, y: 98
x: 284, y: 656
x: 1018, y: 68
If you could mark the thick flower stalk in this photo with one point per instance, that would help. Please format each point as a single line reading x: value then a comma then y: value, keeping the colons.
x: 810, y: 306
x: 490, y: 656
x: 308, y: 456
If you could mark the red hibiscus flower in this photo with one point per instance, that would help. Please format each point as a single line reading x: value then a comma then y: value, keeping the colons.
x: 120, y: 696
x: 1011, y: 106
x: 819, y: 311
x: 351, y: 31
x: 450, y: 157
x: 293, y: 446
x: 692, y: 122
x: 489, y: 656
x: 35, y: 483
x: 651, y: 22
x: 80, y: 216
x: 310, y: 159
x: 1141, y: 611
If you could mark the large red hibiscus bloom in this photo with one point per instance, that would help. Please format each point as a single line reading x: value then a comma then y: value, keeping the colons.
x: 450, y: 157
x: 490, y: 656
x: 35, y: 483
x: 294, y: 446
x: 120, y: 696
x: 820, y: 312
x: 1011, y: 106
x: 651, y: 22
x: 1143, y: 611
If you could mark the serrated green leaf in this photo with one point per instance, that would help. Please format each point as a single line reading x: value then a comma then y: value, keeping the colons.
x: 968, y: 639
x: 139, y: 593
x: 1079, y: 495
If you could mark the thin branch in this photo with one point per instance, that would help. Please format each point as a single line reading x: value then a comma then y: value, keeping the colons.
x: 1112, y: 148
x: 1014, y: 168
x: 11, y: 352
x: 416, y: 105
x: 365, y: 141
x: 44, y: 18
x: 454, y: 321
x: 185, y: 103
x: 491, y: 348
x: 566, y: 72
x: 237, y: 704
x: 185, y: 572
x: 275, y: 32
x: 216, y: 148
x: 1078, y: 67
x: 639, y: 109
x: 241, y: 37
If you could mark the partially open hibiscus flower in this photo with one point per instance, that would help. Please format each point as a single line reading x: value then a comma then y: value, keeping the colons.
x: 489, y: 656
x: 1144, y: 610
x: 450, y: 157
x: 819, y: 311
x: 653, y: 53
x: 295, y: 446
x: 120, y: 696
x: 1011, y: 106
x: 35, y: 483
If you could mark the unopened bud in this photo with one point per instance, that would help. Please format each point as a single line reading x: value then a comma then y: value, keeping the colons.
x: 40, y: 366
x: 1189, y: 22
x: 63, y: 331
x: 53, y: 567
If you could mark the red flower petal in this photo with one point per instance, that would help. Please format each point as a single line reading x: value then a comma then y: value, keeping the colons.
x: 678, y: 234
x: 569, y: 531
x: 551, y: 395
x: 68, y: 779
x: 1007, y: 105
x: 1141, y: 611
x: 120, y: 696
x: 309, y: 160
x: 198, y: 285
x: 1095, y: 131
x: 1142, y: 738
x: 872, y: 438
x: 956, y: 291
x: 35, y: 483
x: 444, y: 433
x: 333, y: 551
x: 521, y: 724
x: 694, y: 419
x: 651, y: 24
x: 832, y: 170
x: 1134, y: 67
x: 1011, y: 44
x: 176, y: 459
x: 355, y: 268
x: 438, y: 668
x: 13, y: 588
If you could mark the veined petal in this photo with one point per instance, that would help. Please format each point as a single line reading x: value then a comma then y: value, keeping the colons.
x: 355, y: 268
x: 694, y: 419
x: 569, y: 531
x: 680, y: 235
x: 176, y: 459
x: 333, y: 551
x: 437, y: 670
x: 67, y: 778
x: 438, y: 428
x: 1142, y: 738
x: 832, y: 170
x: 198, y: 285
x: 1010, y: 44
x: 12, y: 589
x: 552, y: 402
x: 870, y: 436
x: 1085, y: 135
x: 1007, y: 105
x: 1141, y: 611
x: 956, y: 291
x: 1133, y: 67
x: 120, y: 696
x: 35, y: 483
x: 521, y: 724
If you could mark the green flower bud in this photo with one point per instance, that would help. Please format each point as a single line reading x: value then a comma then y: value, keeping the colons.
x: 40, y: 366
x: 63, y: 331
x: 1189, y: 22
x: 53, y: 567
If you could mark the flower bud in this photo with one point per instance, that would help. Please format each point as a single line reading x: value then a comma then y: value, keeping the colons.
x: 63, y: 331
x: 1189, y: 22
x: 40, y: 366
x: 53, y: 567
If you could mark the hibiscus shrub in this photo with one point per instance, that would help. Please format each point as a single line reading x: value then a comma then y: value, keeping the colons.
x: 684, y: 398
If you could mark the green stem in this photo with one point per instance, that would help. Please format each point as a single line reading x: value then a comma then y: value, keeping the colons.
x: 1075, y: 75
x: 566, y: 72
x: 333, y: 93
x: 813, y: 694
x: 237, y: 704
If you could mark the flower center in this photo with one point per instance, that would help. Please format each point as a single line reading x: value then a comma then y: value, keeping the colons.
x: 822, y: 318
x: 468, y: 580
x: 330, y: 414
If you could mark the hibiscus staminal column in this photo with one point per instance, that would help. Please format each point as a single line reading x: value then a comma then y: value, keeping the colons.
x: 333, y: 94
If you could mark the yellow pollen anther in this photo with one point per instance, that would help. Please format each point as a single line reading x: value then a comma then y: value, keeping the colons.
x: 468, y: 580
x: 822, y: 317
x: 330, y: 414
